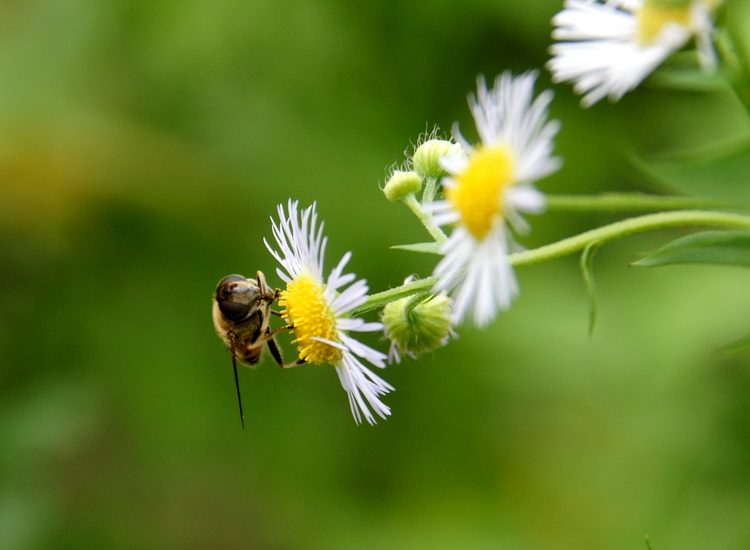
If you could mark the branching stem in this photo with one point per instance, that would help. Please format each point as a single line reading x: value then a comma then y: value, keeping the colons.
x: 600, y: 235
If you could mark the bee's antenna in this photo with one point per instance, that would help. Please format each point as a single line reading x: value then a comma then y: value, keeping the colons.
x: 237, y: 384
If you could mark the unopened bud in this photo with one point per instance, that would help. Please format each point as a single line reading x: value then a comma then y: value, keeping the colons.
x: 426, y: 159
x: 401, y: 184
x: 416, y: 329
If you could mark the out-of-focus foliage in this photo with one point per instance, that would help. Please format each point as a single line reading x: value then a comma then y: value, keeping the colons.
x: 707, y: 247
x: 143, y: 147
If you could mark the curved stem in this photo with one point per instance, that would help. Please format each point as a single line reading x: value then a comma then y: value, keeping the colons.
x: 577, y: 243
x: 380, y: 299
x: 627, y: 227
x: 430, y: 189
x: 414, y: 205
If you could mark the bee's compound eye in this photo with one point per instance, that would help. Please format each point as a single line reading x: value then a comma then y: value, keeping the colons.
x: 231, y: 279
x: 233, y: 311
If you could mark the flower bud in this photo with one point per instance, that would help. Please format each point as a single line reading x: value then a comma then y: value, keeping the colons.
x: 401, y: 184
x: 426, y: 159
x: 416, y: 329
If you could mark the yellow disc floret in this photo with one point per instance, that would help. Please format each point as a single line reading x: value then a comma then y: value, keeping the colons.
x: 307, y: 310
x: 654, y: 16
x: 477, y: 194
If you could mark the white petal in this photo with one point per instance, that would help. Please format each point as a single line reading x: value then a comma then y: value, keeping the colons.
x: 599, y: 50
x: 363, y: 388
x: 525, y: 198
x: 478, y: 275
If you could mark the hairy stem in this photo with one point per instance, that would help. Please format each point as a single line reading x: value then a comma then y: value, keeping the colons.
x: 598, y: 236
x: 379, y: 300
x: 627, y: 227
x: 414, y: 205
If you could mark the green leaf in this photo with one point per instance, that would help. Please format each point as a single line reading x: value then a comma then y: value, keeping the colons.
x: 734, y: 45
x: 587, y: 269
x: 426, y: 248
x: 707, y: 247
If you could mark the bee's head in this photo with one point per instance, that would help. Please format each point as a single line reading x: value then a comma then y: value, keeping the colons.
x: 237, y: 297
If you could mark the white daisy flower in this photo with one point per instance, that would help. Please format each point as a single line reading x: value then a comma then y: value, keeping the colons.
x: 316, y: 307
x: 488, y: 187
x: 608, y: 48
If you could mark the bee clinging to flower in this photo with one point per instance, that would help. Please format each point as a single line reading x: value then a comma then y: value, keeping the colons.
x: 241, y: 311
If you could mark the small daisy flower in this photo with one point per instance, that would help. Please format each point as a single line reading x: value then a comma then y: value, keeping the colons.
x: 607, y: 49
x: 317, y: 309
x: 488, y: 187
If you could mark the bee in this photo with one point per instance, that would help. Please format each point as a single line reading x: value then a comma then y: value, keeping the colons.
x: 241, y: 311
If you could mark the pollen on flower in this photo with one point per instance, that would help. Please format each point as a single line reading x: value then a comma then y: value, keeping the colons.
x: 307, y: 310
x: 653, y: 17
x: 477, y: 195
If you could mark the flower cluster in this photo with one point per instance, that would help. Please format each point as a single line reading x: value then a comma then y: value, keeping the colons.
x: 474, y: 198
x: 488, y: 187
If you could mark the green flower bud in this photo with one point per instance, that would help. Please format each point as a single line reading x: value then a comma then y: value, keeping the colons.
x: 401, y: 184
x: 416, y: 329
x: 426, y: 159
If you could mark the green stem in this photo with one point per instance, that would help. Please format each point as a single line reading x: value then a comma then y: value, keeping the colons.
x: 617, y: 202
x: 414, y: 301
x: 430, y: 189
x: 627, y: 227
x: 414, y: 205
x: 379, y: 300
x: 598, y: 236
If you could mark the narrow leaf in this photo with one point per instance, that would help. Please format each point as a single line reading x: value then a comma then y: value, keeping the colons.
x: 426, y: 248
x: 707, y: 247
x: 587, y: 269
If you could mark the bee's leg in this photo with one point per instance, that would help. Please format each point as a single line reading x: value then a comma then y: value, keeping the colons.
x: 277, y: 313
x: 276, y: 354
x: 268, y: 337
x: 267, y: 294
x: 271, y: 333
x: 264, y: 323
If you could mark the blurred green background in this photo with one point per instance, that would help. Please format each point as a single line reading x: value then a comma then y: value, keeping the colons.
x: 144, y: 146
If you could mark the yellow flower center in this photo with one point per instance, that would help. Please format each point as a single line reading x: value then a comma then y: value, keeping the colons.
x: 654, y: 16
x: 477, y: 194
x: 307, y: 310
